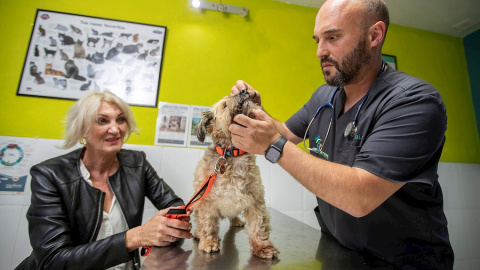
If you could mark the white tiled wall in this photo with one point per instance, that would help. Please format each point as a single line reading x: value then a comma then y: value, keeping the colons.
x: 460, y: 183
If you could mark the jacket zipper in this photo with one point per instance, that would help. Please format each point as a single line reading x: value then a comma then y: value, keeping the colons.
x: 99, y: 217
x: 136, y: 264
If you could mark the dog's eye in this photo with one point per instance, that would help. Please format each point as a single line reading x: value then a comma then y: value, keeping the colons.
x: 224, y: 105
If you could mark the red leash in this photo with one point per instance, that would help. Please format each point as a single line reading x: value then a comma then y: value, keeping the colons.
x: 200, y: 194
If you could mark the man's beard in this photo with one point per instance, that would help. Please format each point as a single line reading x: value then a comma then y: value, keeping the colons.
x: 350, y: 66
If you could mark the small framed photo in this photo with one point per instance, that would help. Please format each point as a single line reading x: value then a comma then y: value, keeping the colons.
x: 391, y: 60
x: 69, y: 55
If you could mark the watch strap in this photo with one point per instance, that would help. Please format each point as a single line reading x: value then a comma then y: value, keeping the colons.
x: 280, y: 143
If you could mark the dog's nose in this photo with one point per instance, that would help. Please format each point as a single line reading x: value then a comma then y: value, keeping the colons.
x: 243, y: 91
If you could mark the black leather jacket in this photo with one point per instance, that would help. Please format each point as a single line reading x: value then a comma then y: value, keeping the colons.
x: 66, y: 212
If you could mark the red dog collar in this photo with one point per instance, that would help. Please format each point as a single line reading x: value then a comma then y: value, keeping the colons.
x: 229, y: 152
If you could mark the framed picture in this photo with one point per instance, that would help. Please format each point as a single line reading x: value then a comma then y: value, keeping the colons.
x: 390, y: 59
x: 69, y: 55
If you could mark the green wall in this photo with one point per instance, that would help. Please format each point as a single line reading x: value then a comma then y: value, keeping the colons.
x: 206, y: 52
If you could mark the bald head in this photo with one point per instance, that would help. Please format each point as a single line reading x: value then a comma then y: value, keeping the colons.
x: 365, y: 12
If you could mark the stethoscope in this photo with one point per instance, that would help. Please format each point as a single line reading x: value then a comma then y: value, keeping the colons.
x: 351, y: 128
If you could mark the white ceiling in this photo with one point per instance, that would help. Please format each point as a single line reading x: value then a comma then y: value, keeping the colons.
x: 452, y: 17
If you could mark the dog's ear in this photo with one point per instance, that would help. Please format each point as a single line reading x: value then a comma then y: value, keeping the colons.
x: 203, y: 126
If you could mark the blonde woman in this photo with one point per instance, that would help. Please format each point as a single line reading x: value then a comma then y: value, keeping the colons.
x: 87, y: 206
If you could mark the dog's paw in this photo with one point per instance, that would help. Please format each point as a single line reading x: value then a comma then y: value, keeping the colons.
x: 265, y: 250
x: 237, y: 222
x: 209, y: 245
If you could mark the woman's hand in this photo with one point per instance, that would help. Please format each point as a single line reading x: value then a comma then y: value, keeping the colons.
x: 158, y: 231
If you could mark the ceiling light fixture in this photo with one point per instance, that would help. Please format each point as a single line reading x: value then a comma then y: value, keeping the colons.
x: 241, y: 11
x: 196, y: 3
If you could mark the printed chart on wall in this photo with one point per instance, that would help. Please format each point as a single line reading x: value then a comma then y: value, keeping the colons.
x: 14, y: 164
x: 176, y: 124
x: 172, y: 124
x: 70, y: 54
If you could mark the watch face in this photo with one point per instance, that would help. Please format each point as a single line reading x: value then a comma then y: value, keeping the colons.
x: 272, y: 155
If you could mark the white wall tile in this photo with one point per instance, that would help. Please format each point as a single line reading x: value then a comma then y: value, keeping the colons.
x: 11, y: 199
x: 469, y: 175
x: 22, y: 248
x: 460, y: 184
x: 287, y: 193
x: 266, y: 174
x: 474, y: 264
x: 457, y: 233
x: 178, y: 168
x: 9, y: 226
x: 472, y: 223
x: 154, y: 154
x: 28, y: 193
x: 451, y: 185
x: 463, y: 265
x: 309, y: 200
x: 47, y: 148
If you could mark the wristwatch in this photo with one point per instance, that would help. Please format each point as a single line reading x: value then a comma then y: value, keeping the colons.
x: 274, y: 152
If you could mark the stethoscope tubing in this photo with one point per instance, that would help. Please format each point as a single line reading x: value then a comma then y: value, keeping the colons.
x: 330, y: 105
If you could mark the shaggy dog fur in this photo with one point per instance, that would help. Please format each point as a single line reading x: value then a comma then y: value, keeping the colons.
x: 238, y: 190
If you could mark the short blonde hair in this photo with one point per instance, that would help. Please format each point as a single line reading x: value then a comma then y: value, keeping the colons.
x: 83, y: 115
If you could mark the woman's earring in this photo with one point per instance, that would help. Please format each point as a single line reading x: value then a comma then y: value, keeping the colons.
x: 83, y: 141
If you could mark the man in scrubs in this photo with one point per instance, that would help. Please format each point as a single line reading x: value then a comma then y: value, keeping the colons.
x: 375, y: 138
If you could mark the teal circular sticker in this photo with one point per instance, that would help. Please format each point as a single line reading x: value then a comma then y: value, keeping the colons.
x: 11, y: 155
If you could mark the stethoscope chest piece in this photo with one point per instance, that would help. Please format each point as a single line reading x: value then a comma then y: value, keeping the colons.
x: 350, y: 130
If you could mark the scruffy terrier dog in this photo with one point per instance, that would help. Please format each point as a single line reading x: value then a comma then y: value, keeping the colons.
x: 237, y: 188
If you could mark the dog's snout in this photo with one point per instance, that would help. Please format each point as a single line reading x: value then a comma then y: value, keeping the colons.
x: 243, y: 96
